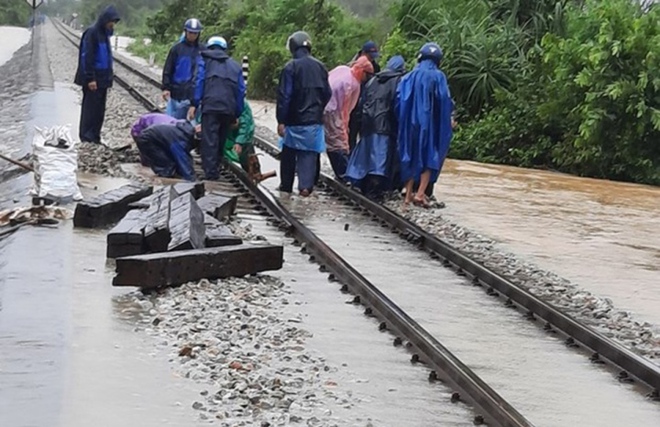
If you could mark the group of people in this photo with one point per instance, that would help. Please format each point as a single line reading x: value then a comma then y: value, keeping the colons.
x: 206, y: 107
x: 382, y: 130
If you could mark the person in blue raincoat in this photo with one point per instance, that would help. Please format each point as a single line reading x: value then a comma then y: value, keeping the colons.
x: 424, y: 110
x: 95, y: 74
x: 220, y: 93
x: 302, y: 95
x: 167, y: 147
x: 179, y: 70
x: 373, y: 164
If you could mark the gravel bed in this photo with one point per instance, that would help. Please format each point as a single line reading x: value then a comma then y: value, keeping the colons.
x: 599, y: 313
x: 121, y: 111
x: 236, y: 337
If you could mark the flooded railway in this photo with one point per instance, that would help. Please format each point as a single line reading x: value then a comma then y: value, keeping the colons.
x: 79, y: 352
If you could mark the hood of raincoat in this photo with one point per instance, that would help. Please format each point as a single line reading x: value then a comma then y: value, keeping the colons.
x: 217, y: 54
x: 109, y: 14
x: 361, y: 67
x: 395, y: 68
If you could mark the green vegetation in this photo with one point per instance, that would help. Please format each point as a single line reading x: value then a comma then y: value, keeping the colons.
x: 259, y: 29
x: 14, y: 13
x: 569, y: 85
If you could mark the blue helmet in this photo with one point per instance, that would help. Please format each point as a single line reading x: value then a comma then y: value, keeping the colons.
x: 430, y: 51
x: 193, y: 26
x: 217, y: 41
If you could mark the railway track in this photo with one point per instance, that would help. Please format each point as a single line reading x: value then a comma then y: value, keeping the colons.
x: 489, y: 405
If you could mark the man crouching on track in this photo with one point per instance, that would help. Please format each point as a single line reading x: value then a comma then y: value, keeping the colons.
x: 95, y: 74
x: 302, y: 95
x: 146, y: 121
x: 166, y: 147
x: 220, y: 88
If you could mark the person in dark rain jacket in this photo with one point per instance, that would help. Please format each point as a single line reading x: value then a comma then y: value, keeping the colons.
x: 303, y: 93
x: 369, y: 51
x: 145, y: 121
x: 220, y: 88
x: 179, y: 70
x: 374, y: 162
x: 95, y: 74
x: 167, y: 148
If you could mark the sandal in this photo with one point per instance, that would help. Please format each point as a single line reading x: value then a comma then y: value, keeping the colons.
x: 423, y: 202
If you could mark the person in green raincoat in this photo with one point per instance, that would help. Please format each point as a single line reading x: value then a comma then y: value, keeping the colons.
x: 238, y: 145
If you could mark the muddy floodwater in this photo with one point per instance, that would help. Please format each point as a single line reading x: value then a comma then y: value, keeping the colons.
x: 602, y: 235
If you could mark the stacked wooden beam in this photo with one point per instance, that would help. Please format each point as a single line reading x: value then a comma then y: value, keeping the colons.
x: 173, y: 235
x: 109, y: 207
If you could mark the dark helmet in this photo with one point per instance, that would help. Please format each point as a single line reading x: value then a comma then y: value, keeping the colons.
x: 297, y: 40
x: 430, y: 51
x: 193, y: 26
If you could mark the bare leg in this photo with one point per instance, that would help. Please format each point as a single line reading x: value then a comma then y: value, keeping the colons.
x: 409, y: 192
x: 420, y: 197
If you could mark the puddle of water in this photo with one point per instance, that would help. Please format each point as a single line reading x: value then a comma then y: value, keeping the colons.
x: 602, y: 235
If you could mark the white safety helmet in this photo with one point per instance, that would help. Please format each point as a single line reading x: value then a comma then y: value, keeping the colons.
x: 217, y: 41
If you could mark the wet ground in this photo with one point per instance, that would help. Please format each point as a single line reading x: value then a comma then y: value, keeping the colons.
x: 600, y: 234
x: 76, y: 354
x: 71, y: 348
x: 535, y: 372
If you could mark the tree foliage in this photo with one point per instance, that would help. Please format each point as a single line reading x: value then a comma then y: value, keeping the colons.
x: 572, y: 85
x: 260, y: 28
x: 14, y: 13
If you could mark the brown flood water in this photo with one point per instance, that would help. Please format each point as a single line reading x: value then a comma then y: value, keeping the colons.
x: 601, y: 235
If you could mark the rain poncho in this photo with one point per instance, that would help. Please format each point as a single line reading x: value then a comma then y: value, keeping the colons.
x: 242, y: 136
x: 345, y: 84
x: 424, y: 108
x: 150, y: 119
x: 167, y: 148
x: 376, y: 153
x: 145, y: 121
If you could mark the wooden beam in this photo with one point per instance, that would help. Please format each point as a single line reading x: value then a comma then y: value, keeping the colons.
x: 176, y: 268
x: 109, y: 207
x: 218, y: 205
x: 186, y: 224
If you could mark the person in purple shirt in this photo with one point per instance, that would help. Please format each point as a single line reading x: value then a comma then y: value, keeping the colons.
x: 147, y: 120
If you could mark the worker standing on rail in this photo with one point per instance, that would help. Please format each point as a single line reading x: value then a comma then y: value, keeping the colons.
x: 220, y: 88
x: 424, y: 111
x: 302, y: 95
x: 369, y: 51
x: 179, y: 70
x: 95, y: 74
x: 167, y: 148
x: 373, y: 165
x: 345, y: 84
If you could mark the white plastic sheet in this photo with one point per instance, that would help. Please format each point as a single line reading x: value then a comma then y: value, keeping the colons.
x: 56, y: 163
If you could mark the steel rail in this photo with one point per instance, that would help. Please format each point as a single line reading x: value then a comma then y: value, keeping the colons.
x: 496, y: 410
x: 602, y: 347
x: 481, y: 395
x: 631, y: 363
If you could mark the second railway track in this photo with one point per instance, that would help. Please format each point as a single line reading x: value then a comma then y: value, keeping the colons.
x: 441, y: 306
